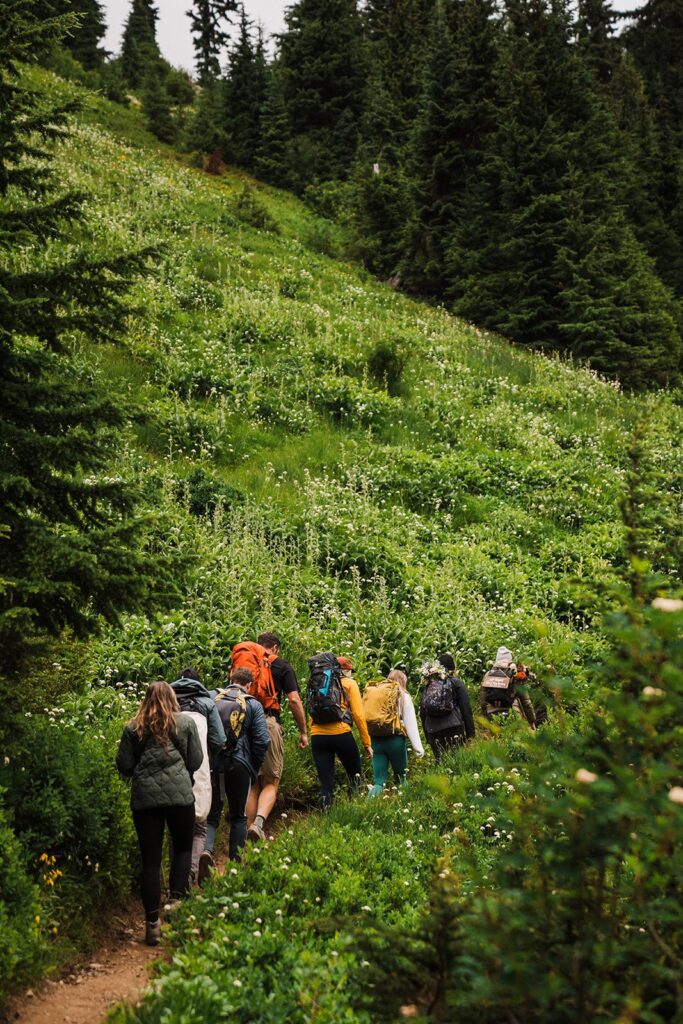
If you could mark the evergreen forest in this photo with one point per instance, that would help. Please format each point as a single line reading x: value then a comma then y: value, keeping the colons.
x: 370, y: 334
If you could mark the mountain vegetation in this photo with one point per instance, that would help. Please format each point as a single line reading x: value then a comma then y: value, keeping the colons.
x: 218, y: 419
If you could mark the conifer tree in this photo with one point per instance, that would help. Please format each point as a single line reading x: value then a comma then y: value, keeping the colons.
x: 656, y: 42
x: 70, y: 547
x: 434, y: 153
x: 83, y: 37
x: 455, y: 124
x: 596, y: 38
x: 381, y: 194
x: 84, y: 41
x: 245, y: 92
x: 156, y: 103
x: 558, y: 265
x: 272, y: 153
x: 397, y: 33
x: 323, y: 77
x: 210, y: 20
x: 639, y: 145
x: 205, y: 132
x: 477, y: 42
x: 139, y: 47
x: 396, y: 46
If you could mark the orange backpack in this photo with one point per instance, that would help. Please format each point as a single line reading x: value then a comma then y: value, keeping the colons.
x: 256, y: 659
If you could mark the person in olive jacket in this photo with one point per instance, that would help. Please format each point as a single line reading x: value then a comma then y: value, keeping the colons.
x: 159, y: 750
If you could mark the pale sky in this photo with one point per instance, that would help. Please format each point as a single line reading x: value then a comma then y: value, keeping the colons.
x: 173, y: 27
x: 173, y: 30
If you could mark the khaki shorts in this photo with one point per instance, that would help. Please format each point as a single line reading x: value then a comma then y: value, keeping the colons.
x: 274, y: 761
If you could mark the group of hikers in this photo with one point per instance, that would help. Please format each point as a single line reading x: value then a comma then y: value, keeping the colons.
x: 189, y: 750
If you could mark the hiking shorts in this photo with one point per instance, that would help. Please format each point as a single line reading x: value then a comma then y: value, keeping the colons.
x: 274, y: 761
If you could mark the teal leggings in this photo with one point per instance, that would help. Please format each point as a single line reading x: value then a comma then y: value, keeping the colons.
x: 388, y: 750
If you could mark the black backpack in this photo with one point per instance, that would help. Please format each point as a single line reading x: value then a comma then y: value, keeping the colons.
x: 437, y: 698
x: 232, y: 708
x: 498, y: 688
x: 324, y: 697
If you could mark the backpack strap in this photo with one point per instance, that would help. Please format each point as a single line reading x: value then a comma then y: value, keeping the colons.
x: 222, y: 693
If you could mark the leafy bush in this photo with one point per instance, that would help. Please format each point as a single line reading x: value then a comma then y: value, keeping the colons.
x: 22, y: 952
x: 249, y: 209
x: 386, y: 364
x: 329, y: 199
x: 295, y: 286
x: 66, y: 802
x: 322, y: 236
x: 203, y: 493
x: 348, y: 400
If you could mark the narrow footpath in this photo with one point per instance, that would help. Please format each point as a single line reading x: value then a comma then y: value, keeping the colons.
x: 118, y: 972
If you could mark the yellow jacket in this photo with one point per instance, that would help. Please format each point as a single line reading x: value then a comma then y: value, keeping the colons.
x: 355, y: 704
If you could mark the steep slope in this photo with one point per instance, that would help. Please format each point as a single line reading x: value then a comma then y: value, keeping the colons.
x: 390, y: 479
x: 360, y: 472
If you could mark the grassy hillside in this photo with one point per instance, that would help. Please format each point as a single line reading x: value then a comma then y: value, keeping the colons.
x: 457, y: 503
x: 358, y: 471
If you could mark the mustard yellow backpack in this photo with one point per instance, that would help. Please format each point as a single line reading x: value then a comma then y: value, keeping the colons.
x: 381, y: 706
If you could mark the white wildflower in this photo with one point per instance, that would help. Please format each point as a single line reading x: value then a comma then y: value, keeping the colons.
x: 668, y: 604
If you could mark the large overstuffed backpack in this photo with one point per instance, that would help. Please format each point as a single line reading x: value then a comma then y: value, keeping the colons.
x: 232, y: 707
x: 325, y: 698
x: 438, y: 699
x: 201, y: 780
x: 255, y: 658
x: 498, y: 688
x: 381, y: 704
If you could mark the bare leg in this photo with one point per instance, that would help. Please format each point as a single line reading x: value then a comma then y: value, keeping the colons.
x: 267, y: 796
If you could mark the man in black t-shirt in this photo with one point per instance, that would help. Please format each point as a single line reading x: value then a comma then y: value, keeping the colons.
x: 264, y: 791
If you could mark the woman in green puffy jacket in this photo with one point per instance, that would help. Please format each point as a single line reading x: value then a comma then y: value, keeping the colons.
x: 160, y: 750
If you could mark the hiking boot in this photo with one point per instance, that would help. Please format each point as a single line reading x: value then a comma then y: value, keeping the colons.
x: 255, y: 833
x: 205, y: 869
x: 153, y: 932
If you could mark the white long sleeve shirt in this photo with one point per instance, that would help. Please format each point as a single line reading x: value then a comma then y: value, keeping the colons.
x: 406, y: 710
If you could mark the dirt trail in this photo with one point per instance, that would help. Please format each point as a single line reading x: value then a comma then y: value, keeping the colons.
x: 118, y: 972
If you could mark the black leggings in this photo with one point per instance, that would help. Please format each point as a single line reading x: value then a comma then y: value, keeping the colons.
x: 443, y: 741
x: 237, y: 783
x: 324, y: 749
x: 149, y: 825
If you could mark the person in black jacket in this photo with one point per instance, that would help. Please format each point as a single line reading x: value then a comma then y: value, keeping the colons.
x: 453, y: 727
x: 237, y: 766
x: 194, y: 698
